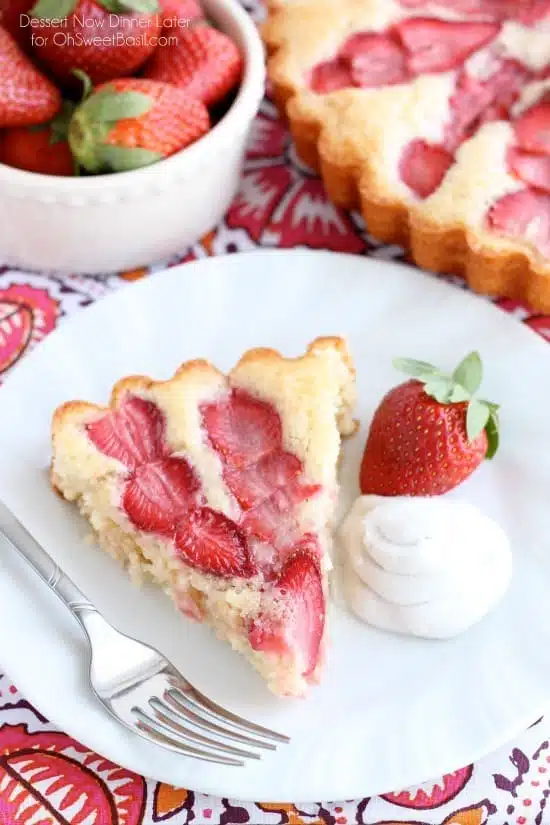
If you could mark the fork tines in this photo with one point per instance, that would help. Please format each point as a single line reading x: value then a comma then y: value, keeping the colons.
x: 182, y: 717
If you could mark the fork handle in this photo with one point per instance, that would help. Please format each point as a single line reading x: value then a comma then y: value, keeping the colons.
x: 20, y: 540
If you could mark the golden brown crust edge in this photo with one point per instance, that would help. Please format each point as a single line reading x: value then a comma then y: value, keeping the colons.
x: 200, y: 368
x: 440, y: 249
x: 192, y: 369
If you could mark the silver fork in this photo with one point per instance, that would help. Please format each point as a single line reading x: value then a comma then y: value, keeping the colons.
x: 137, y: 684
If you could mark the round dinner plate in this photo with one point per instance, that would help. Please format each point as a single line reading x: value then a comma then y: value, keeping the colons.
x: 391, y: 711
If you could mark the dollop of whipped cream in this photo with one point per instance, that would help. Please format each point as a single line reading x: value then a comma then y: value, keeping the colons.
x: 429, y: 567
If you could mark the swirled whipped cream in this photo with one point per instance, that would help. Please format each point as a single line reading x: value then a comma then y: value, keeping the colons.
x: 429, y: 567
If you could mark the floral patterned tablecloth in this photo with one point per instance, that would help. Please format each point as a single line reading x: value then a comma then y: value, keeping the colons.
x: 46, y: 778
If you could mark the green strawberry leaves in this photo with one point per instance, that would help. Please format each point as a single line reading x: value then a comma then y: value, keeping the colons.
x: 416, y: 369
x: 469, y: 373
x: 108, y: 107
x: 439, y: 388
x: 459, y: 387
x: 445, y: 390
x: 129, y: 6
x: 58, y: 9
x: 477, y: 417
x: 92, y: 123
x: 53, y: 9
x: 492, y: 428
x: 125, y: 159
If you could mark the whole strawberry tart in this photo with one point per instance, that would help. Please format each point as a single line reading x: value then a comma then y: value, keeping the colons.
x: 221, y: 489
x: 434, y: 118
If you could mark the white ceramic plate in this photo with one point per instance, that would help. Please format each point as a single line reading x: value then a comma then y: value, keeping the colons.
x: 391, y: 711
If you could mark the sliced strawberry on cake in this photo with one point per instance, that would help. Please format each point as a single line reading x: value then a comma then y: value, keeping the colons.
x: 221, y: 489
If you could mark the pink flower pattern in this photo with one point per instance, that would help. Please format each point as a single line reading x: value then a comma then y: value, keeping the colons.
x: 282, y: 203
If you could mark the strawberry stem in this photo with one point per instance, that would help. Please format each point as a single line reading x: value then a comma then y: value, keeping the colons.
x: 87, y: 86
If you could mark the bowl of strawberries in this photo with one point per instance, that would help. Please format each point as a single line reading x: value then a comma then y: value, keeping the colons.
x: 123, y: 126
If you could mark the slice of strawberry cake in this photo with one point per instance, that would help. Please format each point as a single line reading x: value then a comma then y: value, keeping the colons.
x: 221, y: 489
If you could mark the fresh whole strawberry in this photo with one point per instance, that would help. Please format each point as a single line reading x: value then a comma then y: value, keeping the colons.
x: 430, y: 433
x: 203, y: 62
x: 27, y: 97
x: 107, y: 39
x: 11, y: 19
x: 423, y: 166
x: 132, y: 122
x: 43, y: 148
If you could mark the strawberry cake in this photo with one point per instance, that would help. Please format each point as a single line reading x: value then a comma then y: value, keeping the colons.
x: 434, y: 119
x: 221, y: 490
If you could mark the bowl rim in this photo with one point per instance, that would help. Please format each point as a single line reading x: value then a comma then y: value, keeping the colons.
x: 242, y: 111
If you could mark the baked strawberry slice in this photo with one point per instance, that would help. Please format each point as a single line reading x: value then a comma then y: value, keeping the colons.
x: 241, y: 428
x: 330, y: 76
x: 212, y: 543
x: 309, y: 543
x: 133, y: 433
x: 423, y: 166
x: 374, y: 60
x: 530, y: 12
x: 297, y: 627
x: 478, y: 101
x: 157, y: 494
x: 525, y: 215
x: 256, y: 483
x: 532, y: 169
x: 273, y: 520
x: 494, y: 9
x: 440, y: 45
x: 532, y: 128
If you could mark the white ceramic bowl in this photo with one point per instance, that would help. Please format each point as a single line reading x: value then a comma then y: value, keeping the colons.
x: 112, y: 222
